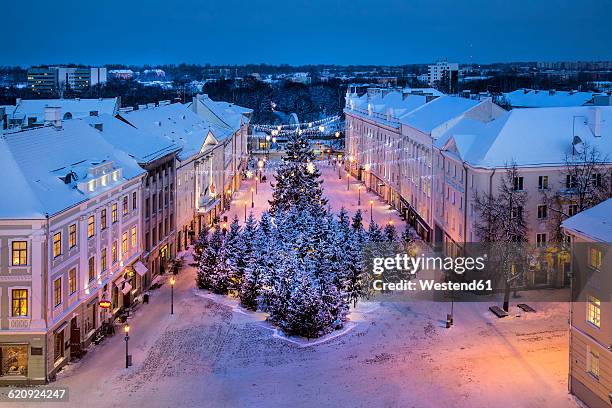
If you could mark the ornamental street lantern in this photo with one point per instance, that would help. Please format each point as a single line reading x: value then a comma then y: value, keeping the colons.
x: 104, y: 304
x: 126, y: 330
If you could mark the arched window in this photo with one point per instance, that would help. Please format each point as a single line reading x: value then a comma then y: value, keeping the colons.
x: 67, y: 115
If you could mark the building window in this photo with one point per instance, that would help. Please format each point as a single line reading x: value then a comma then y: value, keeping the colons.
x: 124, y: 243
x: 543, y: 183
x: 147, y: 244
x: 518, y: 184
x: 114, y: 252
x: 92, y: 268
x: 19, y: 302
x: 103, y: 219
x: 59, y: 346
x: 570, y: 181
x: 72, y: 281
x: 91, y: 226
x: 147, y: 207
x: 160, y: 200
x: 14, y: 360
x: 125, y: 205
x: 134, y: 240
x: 596, y: 180
x: 517, y: 212
x: 593, y: 362
x: 542, y: 211
x: 154, y: 236
x: 57, y: 244
x: 103, y: 259
x: 72, y: 236
x: 19, y: 252
x: 572, y: 210
x: 541, y: 240
x: 594, y: 311
x: 134, y: 201
x: 114, y: 213
x: 595, y: 258
x: 57, y: 291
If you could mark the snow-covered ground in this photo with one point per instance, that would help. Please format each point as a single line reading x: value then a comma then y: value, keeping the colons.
x: 397, y: 353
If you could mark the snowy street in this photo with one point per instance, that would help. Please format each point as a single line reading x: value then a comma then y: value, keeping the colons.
x: 397, y: 354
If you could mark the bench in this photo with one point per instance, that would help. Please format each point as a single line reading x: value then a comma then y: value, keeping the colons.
x: 498, y: 311
x: 526, y: 308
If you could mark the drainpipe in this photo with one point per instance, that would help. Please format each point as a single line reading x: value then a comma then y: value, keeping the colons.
x: 44, y: 285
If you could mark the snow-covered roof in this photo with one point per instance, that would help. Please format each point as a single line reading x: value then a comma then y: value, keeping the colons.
x: 530, y: 98
x: 595, y: 223
x: 144, y: 147
x: 530, y: 137
x: 178, y: 124
x: 78, y: 108
x: 435, y: 113
x: 396, y: 104
x: 222, y: 113
x: 424, y: 91
x: 36, y: 161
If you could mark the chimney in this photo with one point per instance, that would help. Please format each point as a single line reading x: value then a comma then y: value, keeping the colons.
x: 594, y: 120
x: 53, y: 116
x: 551, y: 92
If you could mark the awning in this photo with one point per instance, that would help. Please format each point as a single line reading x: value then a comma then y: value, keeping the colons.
x: 140, y: 268
x: 126, y: 287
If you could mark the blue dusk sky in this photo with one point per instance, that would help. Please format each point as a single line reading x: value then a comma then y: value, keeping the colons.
x: 379, y: 32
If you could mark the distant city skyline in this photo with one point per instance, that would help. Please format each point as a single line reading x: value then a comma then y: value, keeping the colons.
x: 360, y: 32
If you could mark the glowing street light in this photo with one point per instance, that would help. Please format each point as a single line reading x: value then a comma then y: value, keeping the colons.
x: 252, y: 201
x: 245, y: 207
x: 126, y: 329
x: 339, y: 165
x: 359, y: 196
x: 371, y: 213
x: 348, y: 187
x: 256, y: 182
x: 172, y: 282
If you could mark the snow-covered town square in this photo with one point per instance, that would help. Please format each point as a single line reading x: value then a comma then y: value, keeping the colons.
x: 212, y: 352
x: 317, y: 204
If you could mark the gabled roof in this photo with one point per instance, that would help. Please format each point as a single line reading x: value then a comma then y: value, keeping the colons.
x: 36, y: 161
x: 142, y: 146
x: 530, y: 137
x: 435, y: 113
x: 595, y: 223
x: 220, y: 113
x: 178, y: 124
x: 529, y: 98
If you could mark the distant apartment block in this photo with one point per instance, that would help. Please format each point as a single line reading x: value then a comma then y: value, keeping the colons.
x: 445, y: 75
x: 590, y: 376
x: 53, y: 79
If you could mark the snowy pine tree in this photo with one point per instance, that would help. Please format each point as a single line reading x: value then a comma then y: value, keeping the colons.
x: 390, y: 232
x: 234, y: 252
x: 305, y: 310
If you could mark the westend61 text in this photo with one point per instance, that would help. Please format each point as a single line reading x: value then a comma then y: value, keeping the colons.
x: 431, y: 285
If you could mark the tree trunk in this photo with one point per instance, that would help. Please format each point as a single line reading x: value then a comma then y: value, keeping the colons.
x: 506, y: 305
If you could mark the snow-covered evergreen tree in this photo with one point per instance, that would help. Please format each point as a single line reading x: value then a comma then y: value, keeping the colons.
x: 213, y: 272
x: 234, y: 251
x: 305, y: 310
x: 390, y: 232
x: 200, y: 244
x: 375, y: 234
x: 298, y: 182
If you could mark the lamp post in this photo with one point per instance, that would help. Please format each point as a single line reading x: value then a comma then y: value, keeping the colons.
x: 359, y: 196
x: 348, y: 179
x: 126, y: 329
x: 339, y: 165
x: 256, y: 182
x: 245, y: 207
x: 267, y: 144
x: 172, y: 282
x: 371, y: 214
x: 252, y: 201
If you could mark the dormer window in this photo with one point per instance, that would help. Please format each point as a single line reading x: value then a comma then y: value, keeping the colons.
x: 115, y: 175
x: 91, y: 185
x: 104, y: 180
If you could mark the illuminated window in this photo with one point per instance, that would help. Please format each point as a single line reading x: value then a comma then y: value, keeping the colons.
x: 57, y: 291
x: 592, y: 362
x: 115, y: 175
x: 103, y: 219
x: 114, y: 252
x: 114, y: 213
x: 594, y: 311
x: 91, y: 269
x: 595, y: 258
x: 125, y: 205
x: 57, y: 244
x: 134, y: 240
x: 72, y: 281
x: 91, y: 185
x: 124, y: 243
x: 72, y: 236
x: 20, y: 252
x: 103, y: 259
x: 91, y: 224
x: 20, y: 302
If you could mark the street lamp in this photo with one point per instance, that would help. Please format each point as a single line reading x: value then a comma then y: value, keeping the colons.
x: 224, y: 228
x: 256, y: 182
x: 267, y: 144
x: 172, y: 282
x: 371, y: 214
x: 348, y: 187
x: 359, y: 196
x: 252, y: 201
x: 245, y: 207
x: 339, y: 165
x: 126, y: 329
